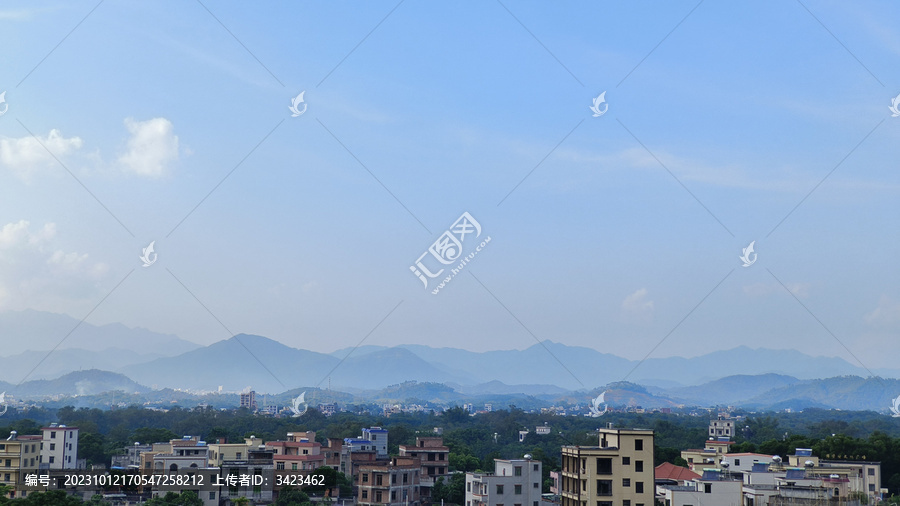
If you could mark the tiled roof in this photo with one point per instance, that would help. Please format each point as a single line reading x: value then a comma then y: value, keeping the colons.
x: 667, y: 471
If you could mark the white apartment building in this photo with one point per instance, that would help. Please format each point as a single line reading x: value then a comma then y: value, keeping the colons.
x: 513, y: 483
x: 59, y: 447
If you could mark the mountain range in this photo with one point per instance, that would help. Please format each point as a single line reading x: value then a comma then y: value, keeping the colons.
x: 543, y: 373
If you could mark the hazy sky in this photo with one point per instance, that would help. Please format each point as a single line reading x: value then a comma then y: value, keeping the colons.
x: 726, y: 123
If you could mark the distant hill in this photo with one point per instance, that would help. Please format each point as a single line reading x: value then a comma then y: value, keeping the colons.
x: 843, y: 392
x: 91, y: 382
x: 731, y: 389
x: 44, y: 364
x: 31, y: 330
x: 580, y: 368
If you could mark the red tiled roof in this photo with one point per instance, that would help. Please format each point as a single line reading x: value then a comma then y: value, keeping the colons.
x: 667, y: 471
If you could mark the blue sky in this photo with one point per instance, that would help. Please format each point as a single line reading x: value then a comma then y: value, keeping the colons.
x: 722, y: 119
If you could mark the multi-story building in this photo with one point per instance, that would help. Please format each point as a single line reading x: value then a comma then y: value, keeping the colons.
x: 258, y: 465
x: 394, y: 483
x: 15, y: 455
x: 248, y: 400
x: 722, y: 426
x: 619, y: 471
x: 332, y: 452
x: 708, y: 456
x: 222, y: 450
x: 379, y: 439
x: 435, y: 462
x: 713, y: 488
x: 59, y: 447
x: 130, y: 457
x: 513, y: 483
x: 298, y: 453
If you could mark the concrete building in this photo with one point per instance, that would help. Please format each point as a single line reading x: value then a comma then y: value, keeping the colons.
x: 248, y: 400
x: 221, y: 450
x: 434, y: 460
x: 619, y: 471
x: 131, y: 456
x: 259, y: 465
x: 16, y: 455
x: 298, y: 453
x: 713, y: 488
x: 379, y: 440
x: 708, y: 456
x: 332, y: 452
x: 59, y: 447
x: 394, y: 483
x: 721, y: 427
x: 513, y: 483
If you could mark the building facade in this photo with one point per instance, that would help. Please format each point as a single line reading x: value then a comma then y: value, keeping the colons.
x: 619, y: 471
x: 513, y: 483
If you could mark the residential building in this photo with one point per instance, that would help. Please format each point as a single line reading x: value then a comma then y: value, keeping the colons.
x: 332, y: 452
x: 670, y: 474
x: 722, y: 426
x: 15, y: 455
x: 259, y: 465
x: 131, y: 456
x: 379, y: 440
x: 221, y: 450
x: 618, y: 471
x: 59, y: 447
x: 513, y: 483
x: 542, y: 430
x: 248, y: 400
x: 713, y: 488
x: 708, y: 456
x: 434, y: 460
x: 394, y: 483
x: 298, y: 453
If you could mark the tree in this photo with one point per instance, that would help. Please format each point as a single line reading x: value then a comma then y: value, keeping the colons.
x: 456, y: 490
x: 290, y: 496
x: 147, y: 435
x: 186, y: 498
x: 240, y: 501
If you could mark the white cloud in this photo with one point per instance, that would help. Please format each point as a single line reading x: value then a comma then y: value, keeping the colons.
x: 152, y: 148
x: 24, y: 155
x: 887, y: 312
x: 35, y: 272
x: 636, y: 304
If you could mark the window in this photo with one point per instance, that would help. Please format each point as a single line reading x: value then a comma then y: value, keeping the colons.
x: 690, y: 460
x: 499, y: 489
x: 517, y: 490
x: 52, y: 459
x: 53, y: 435
x: 279, y: 465
x: 626, y: 482
x: 212, y: 495
x: 639, y: 466
x: 294, y: 466
x: 604, y: 503
x: 626, y: 461
x: 6, y: 477
x: 365, y: 494
x: 737, y: 462
x: 378, y: 479
x: 517, y: 471
x: 365, y: 477
x: 52, y: 446
x: 469, y: 486
x: 8, y: 462
x: 871, y: 487
x: 638, y: 444
x: 604, y: 487
x: 405, y: 476
x: 626, y: 502
x: 378, y: 496
x: 393, y: 495
x: 535, y: 485
x: 871, y: 471
x: 393, y: 479
x: 305, y: 451
x: 604, y: 465
x: 238, y: 456
x: 535, y: 467
x: 638, y: 487
x: 707, y: 488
